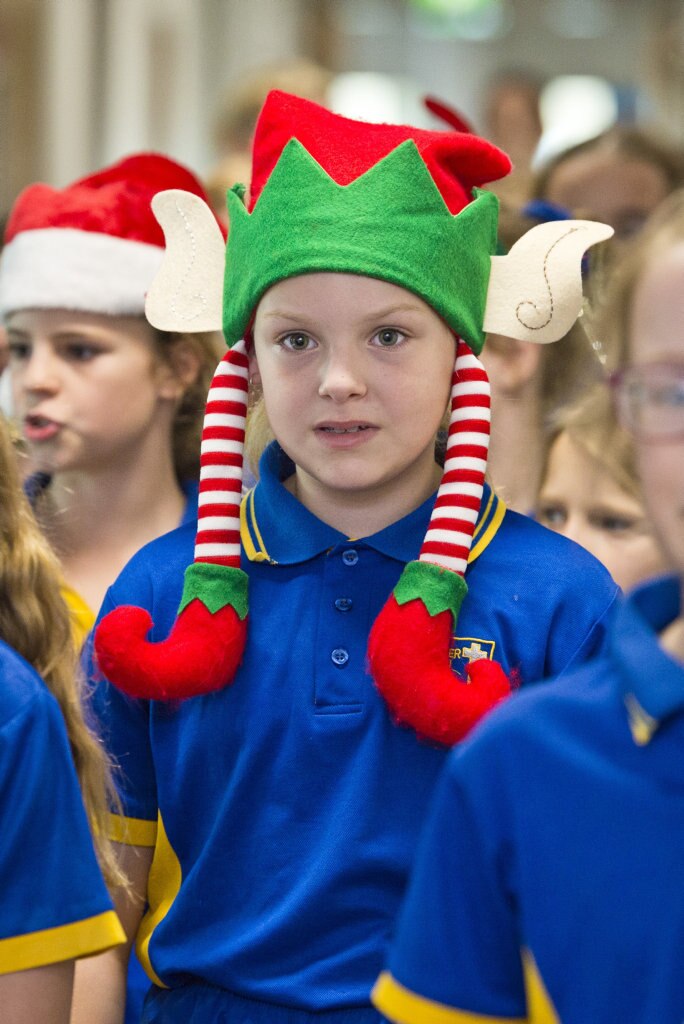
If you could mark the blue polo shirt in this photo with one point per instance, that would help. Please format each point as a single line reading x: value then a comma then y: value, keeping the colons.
x: 552, y: 857
x: 53, y: 905
x: 285, y: 808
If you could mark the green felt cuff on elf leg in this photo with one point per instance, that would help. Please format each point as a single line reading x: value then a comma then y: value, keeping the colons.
x: 390, y: 223
x: 439, y: 589
x: 215, y: 586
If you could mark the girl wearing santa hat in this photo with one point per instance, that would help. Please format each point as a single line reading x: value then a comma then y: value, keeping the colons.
x: 280, y: 729
x: 109, y: 408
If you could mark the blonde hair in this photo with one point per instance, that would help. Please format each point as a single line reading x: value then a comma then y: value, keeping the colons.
x: 35, y: 621
x: 591, y: 424
x: 664, y: 229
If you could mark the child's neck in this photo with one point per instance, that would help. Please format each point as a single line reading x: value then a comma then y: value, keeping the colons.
x: 96, y: 521
x: 364, y: 513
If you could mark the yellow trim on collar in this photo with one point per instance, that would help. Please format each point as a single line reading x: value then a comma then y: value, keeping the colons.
x: 163, y: 886
x: 249, y: 527
x: 641, y: 724
x: 485, y: 531
x: 132, y: 831
x: 66, y: 942
x: 488, y: 527
x: 405, y: 1007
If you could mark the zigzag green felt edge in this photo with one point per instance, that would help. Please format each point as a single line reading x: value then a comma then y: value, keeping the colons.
x: 391, y: 223
x: 439, y: 589
x: 215, y: 586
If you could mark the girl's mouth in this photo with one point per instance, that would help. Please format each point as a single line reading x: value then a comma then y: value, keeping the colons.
x: 345, y: 435
x: 344, y: 430
x: 40, y: 428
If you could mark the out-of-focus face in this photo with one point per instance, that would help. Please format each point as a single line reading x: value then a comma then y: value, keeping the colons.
x: 356, y: 375
x: 608, y: 187
x: 657, y: 340
x: 86, y: 387
x: 580, y: 500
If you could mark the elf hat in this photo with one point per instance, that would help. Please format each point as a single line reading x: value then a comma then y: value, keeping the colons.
x: 94, y: 245
x: 387, y: 201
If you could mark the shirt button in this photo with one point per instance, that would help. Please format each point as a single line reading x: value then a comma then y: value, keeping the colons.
x: 340, y: 656
x: 350, y: 557
x: 343, y: 604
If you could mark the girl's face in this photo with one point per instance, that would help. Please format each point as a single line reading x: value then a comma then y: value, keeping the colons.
x: 657, y: 337
x: 580, y: 500
x: 356, y: 375
x: 86, y: 387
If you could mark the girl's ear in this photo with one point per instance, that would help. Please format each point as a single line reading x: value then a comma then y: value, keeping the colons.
x: 184, y: 365
x: 254, y: 376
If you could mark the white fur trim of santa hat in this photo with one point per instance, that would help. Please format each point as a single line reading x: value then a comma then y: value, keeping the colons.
x: 67, y: 268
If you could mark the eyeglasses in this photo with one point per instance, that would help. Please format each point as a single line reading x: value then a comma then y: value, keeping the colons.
x: 650, y: 400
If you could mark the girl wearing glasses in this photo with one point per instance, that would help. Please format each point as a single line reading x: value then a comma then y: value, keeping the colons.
x: 548, y: 882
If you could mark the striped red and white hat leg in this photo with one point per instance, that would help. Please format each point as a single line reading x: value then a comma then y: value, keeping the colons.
x: 409, y: 644
x: 206, y: 644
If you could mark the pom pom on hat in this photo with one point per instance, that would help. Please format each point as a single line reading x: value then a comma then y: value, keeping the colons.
x: 94, y: 245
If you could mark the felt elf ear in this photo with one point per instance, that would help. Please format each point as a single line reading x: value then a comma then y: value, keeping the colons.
x: 187, y: 293
x: 535, y: 292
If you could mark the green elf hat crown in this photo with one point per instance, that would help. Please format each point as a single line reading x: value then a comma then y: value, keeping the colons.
x: 403, y: 205
x: 387, y: 201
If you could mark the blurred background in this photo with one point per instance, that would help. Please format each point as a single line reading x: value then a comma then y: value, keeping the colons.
x: 83, y: 82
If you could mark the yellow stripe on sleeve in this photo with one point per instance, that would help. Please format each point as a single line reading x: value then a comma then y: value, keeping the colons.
x: 405, y: 1007
x: 66, y: 942
x: 132, y: 831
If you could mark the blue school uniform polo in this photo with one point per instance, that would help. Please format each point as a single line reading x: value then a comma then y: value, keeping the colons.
x: 552, y: 857
x: 284, y: 809
x: 53, y: 902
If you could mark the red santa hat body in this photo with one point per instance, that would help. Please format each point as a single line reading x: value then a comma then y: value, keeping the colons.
x: 93, y: 246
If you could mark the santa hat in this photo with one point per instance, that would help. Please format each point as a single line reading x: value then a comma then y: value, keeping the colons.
x: 94, y: 245
x: 403, y: 205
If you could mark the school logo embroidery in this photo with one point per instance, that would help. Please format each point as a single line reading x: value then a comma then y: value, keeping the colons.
x: 465, y: 649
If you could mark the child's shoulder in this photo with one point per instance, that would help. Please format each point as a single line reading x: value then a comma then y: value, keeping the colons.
x: 20, y: 686
x: 542, y: 554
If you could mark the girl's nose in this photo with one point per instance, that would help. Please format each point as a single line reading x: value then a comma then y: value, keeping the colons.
x: 38, y: 372
x: 342, y: 378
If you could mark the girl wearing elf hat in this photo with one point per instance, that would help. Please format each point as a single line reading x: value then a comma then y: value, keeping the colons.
x: 110, y: 409
x: 280, y: 717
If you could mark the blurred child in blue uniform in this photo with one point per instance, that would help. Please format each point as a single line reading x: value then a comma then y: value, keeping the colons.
x: 55, y: 906
x: 547, y: 884
x: 272, y: 822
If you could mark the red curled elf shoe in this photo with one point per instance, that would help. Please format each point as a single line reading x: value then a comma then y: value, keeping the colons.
x: 392, y: 202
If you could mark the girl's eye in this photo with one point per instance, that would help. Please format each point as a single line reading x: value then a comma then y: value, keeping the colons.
x: 613, y: 523
x: 81, y: 351
x: 19, y: 350
x: 553, y: 516
x: 388, y: 337
x: 297, y: 342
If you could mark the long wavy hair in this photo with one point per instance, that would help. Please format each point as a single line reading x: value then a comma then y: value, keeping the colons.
x: 35, y: 621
